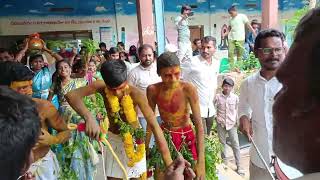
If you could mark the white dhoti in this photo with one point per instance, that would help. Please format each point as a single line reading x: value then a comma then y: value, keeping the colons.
x: 112, y: 167
x: 46, y: 168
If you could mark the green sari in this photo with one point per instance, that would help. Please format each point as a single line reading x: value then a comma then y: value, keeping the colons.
x: 75, y: 155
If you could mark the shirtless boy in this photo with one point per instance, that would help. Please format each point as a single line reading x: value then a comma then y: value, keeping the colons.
x: 174, y: 99
x: 115, y: 89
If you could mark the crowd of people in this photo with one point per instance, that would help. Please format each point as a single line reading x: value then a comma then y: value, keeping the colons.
x: 54, y: 115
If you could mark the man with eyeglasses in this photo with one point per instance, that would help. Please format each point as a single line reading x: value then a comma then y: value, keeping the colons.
x: 256, y: 99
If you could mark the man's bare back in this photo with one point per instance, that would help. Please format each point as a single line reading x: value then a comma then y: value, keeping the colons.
x: 49, y: 117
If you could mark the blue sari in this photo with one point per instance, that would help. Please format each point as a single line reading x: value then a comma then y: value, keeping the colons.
x: 41, y: 84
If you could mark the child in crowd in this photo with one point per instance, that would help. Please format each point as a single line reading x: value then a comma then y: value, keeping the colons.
x: 226, y: 104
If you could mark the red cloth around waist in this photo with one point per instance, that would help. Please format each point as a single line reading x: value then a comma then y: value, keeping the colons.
x: 185, y: 134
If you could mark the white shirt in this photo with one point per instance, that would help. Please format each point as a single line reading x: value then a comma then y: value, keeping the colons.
x: 142, y: 77
x: 204, y: 77
x: 183, y: 29
x: 256, y: 101
x: 130, y: 66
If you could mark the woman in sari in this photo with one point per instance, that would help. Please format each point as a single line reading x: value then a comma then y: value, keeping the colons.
x: 43, y: 75
x: 77, y: 157
x: 93, y: 74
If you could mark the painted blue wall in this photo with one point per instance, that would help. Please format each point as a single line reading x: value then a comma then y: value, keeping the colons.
x: 80, y: 7
x: 127, y: 7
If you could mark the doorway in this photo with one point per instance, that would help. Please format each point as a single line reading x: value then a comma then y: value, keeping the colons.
x: 196, y: 32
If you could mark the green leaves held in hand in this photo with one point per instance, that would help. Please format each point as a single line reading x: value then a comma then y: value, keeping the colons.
x: 56, y: 44
x: 155, y: 159
x: 139, y: 133
x: 91, y: 45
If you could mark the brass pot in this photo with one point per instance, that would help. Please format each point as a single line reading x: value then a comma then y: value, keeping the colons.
x: 35, y: 43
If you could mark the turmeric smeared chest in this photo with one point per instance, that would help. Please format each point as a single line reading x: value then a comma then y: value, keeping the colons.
x: 170, y: 102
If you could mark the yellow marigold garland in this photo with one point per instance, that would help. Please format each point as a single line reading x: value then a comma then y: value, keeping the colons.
x: 134, y: 155
x: 113, y: 101
x: 143, y: 176
x: 128, y: 109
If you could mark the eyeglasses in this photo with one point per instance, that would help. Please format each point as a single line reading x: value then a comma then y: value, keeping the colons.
x: 268, y: 51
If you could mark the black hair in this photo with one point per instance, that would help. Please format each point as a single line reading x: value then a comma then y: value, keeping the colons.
x: 167, y: 59
x: 19, y: 131
x: 254, y: 21
x: 207, y: 39
x: 313, y: 76
x: 83, y: 50
x: 14, y: 71
x: 35, y: 56
x: 113, y: 50
x: 57, y: 80
x: 185, y: 7
x: 126, y: 55
x: 232, y: 8
x: 228, y: 81
x: 266, y: 34
x: 76, y: 66
x: 132, y: 52
x: 309, y: 26
x: 9, y: 51
x: 196, y: 40
x: 120, y: 43
x: 102, y: 44
x: 145, y: 46
x: 114, y: 73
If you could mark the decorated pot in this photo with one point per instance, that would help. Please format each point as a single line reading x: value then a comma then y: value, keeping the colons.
x: 35, y: 43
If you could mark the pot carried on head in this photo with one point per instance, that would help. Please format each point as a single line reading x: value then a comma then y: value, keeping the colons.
x: 35, y: 43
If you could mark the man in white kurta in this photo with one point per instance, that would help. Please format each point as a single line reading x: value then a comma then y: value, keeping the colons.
x: 257, y: 94
x: 202, y: 72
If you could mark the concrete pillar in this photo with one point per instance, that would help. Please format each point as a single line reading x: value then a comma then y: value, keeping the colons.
x: 159, y: 16
x: 145, y: 22
x: 270, y: 14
